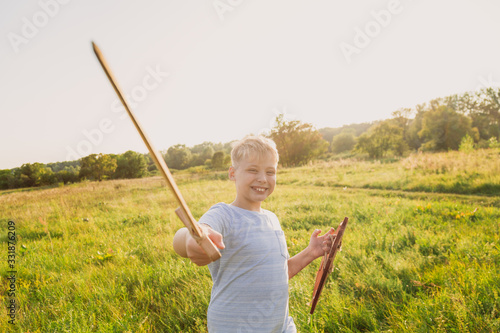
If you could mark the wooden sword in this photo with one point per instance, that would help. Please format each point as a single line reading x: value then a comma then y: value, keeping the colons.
x: 183, y: 211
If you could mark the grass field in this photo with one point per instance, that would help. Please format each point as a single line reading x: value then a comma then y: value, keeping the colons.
x: 421, y: 252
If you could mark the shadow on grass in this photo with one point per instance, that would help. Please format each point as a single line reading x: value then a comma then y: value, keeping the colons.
x: 28, y: 189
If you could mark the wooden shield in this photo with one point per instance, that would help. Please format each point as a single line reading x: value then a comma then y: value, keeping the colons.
x: 326, y: 266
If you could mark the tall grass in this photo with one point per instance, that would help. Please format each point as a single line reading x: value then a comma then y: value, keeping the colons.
x: 98, y: 256
x: 454, y: 172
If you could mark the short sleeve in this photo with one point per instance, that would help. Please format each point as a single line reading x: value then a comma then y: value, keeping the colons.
x: 217, y: 218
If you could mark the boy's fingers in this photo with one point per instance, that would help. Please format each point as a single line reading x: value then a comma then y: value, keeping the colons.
x: 316, y: 232
x: 216, y: 238
x: 329, y: 232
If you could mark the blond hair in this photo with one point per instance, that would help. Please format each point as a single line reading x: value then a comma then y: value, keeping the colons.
x: 252, y: 144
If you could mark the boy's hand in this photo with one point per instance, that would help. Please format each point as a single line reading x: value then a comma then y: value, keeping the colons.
x: 318, y: 245
x: 196, y: 253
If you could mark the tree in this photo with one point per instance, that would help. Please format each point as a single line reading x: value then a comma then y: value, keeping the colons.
x: 482, y: 107
x: 218, y: 160
x: 342, y: 142
x: 381, y: 139
x: 297, y: 142
x: 97, y: 166
x: 201, y: 153
x: 178, y: 157
x: 356, y: 129
x: 68, y: 175
x: 414, y: 127
x: 205, y: 150
x: 443, y: 129
x: 58, y: 166
x: 486, y: 117
x: 493, y: 143
x: 401, y: 118
x: 466, y: 144
x: 150, y: 164
x: 130, y: 165
x: 34, y: 174
x: 6, y: 179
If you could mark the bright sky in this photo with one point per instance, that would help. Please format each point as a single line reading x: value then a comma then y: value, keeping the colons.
x: 232, y: 66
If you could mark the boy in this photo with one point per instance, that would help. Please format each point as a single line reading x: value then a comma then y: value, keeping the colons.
x: 250, y: 290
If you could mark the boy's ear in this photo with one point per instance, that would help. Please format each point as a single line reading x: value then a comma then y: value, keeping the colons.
x: 231, y: 172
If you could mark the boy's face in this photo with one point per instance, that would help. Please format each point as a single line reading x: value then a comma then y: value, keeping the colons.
x: 255, y: 179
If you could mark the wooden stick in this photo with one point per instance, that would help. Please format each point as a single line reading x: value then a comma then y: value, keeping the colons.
x: 185, y: 214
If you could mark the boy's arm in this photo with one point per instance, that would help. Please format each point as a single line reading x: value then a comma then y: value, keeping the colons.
x: 317, y: 247
x: 186, y: 246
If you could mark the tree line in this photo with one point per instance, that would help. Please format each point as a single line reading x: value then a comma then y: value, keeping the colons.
x: 443, y: 124
x: 114, y: 166
x: 461, y: 121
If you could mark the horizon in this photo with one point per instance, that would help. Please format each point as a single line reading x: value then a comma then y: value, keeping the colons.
x: 164, y: 150
x: 197, y: 73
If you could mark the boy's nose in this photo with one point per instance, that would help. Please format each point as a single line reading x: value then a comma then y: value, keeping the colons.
x: 261, y: 177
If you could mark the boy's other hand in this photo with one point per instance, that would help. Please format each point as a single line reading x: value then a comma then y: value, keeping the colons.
x: 318, y: 245
x: 196, y: 253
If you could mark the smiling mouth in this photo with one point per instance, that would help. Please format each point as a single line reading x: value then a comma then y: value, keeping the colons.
x: 259, y: 189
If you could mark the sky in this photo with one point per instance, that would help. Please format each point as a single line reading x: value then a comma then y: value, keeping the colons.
x: 218, y: 70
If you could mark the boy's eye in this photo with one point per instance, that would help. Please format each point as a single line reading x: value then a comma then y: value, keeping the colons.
x: 271, y: 173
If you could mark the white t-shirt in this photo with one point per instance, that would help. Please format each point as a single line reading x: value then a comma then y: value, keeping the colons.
x: 250, y: 280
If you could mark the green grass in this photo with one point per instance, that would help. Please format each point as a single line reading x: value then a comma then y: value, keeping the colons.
x: 452, y: 172
x: 417, y: 256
